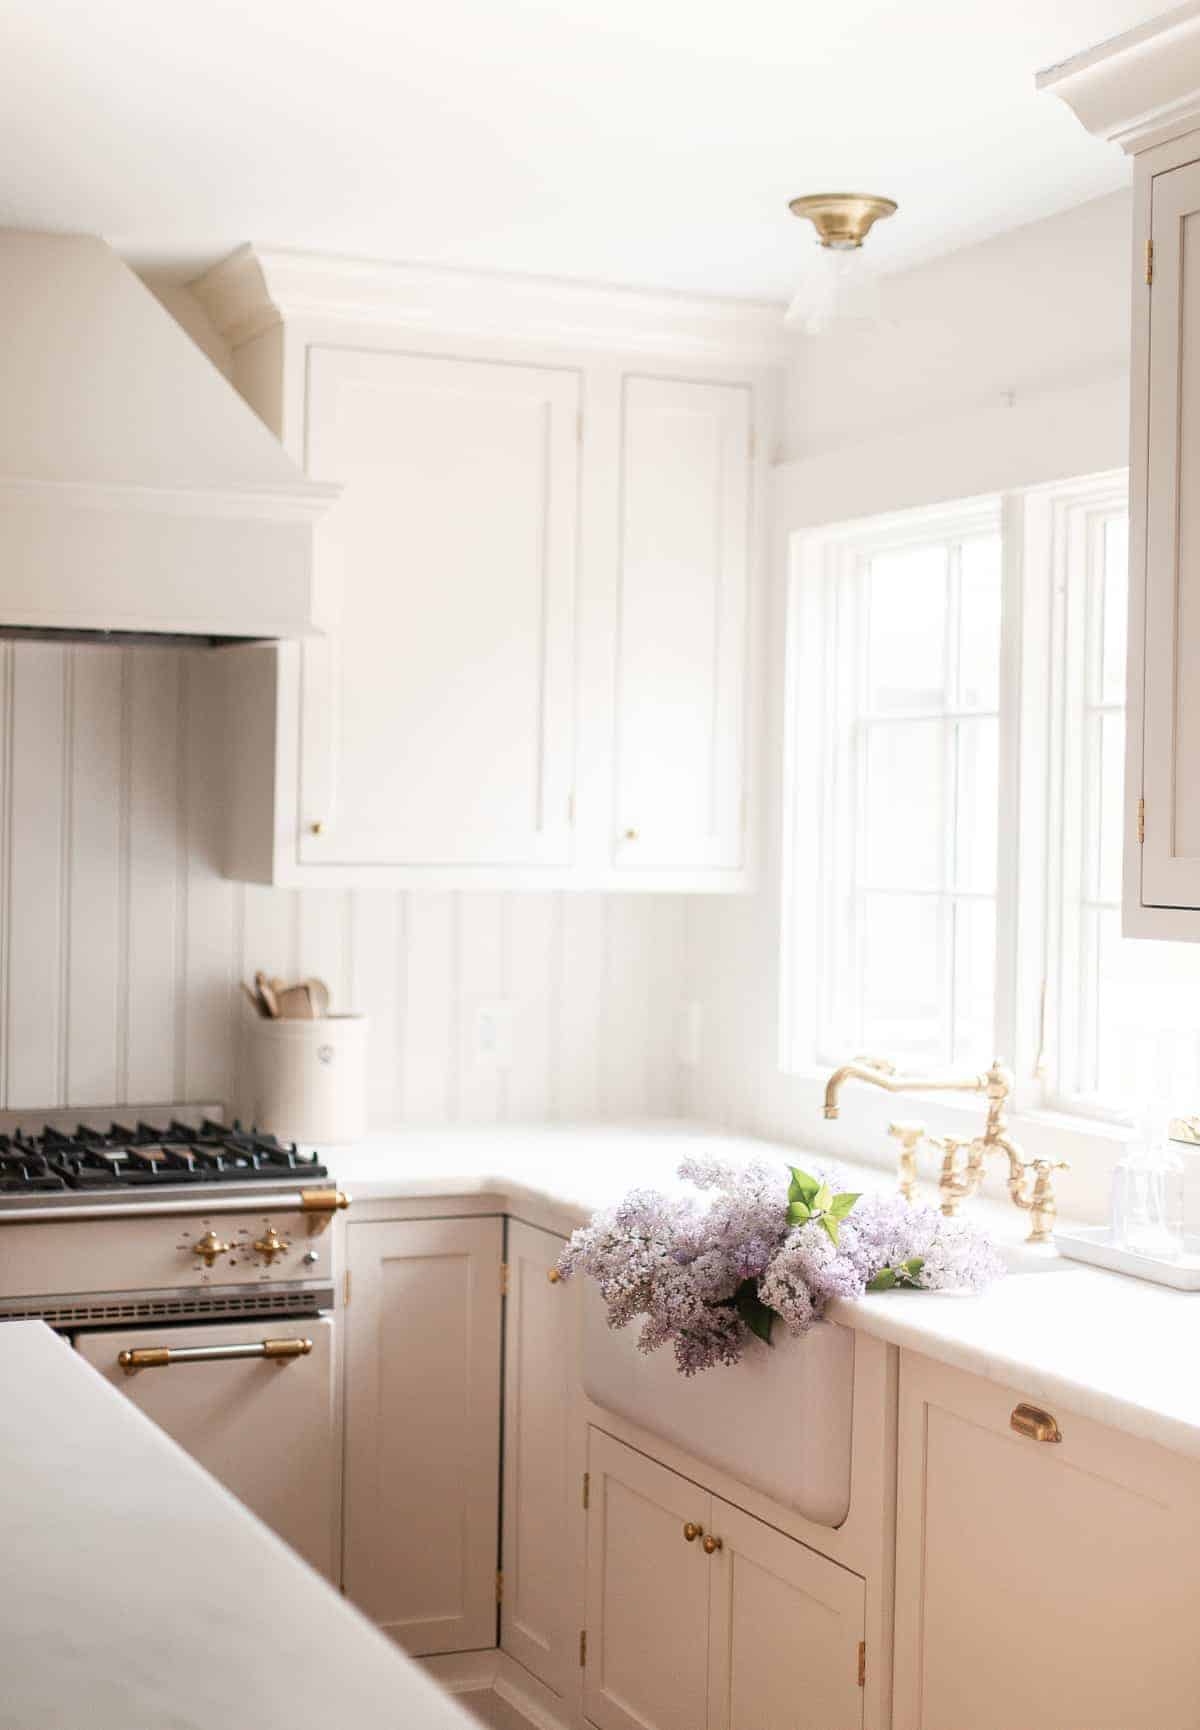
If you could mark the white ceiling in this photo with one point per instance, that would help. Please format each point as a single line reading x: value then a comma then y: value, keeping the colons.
x: 653, y: 142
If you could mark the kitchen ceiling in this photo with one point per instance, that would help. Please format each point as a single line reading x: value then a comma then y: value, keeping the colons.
x: 650, y: 142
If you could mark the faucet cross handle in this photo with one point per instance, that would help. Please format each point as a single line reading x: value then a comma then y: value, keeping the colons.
x: 910, y: 1136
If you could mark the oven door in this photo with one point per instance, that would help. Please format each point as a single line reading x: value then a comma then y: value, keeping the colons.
x: 253, y: 1406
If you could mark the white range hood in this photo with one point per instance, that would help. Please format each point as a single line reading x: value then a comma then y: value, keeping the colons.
x: 138, y: 493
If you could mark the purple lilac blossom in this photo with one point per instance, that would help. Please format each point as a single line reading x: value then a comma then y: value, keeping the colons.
x: 678, y: 1264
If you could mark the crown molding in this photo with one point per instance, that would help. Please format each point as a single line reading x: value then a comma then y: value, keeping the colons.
x: 1138, y: 89
x: 254, y: 289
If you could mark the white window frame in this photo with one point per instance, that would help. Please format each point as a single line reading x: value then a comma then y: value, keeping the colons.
x: 1041, y: 611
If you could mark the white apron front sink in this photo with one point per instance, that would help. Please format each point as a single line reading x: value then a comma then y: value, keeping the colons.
x: 780, y: 1420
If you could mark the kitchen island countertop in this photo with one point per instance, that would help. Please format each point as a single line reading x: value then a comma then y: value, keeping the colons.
x: 139, y: 1595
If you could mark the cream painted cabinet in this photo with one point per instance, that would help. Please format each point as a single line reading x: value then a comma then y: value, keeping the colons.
x: 699, y: 1614
x: 537, y: 583
x: 682, y: 638
x: 1046, y: 1584
x: 422, y: 1429
x: 541, y: 1506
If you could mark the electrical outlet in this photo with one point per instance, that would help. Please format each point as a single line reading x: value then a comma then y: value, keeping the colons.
x: 493, y: 1044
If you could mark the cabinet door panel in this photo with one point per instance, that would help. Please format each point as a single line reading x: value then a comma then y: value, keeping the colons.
x: 1043, y: 1585
x: 451, y: 701
x: 647, y: 1594
x: 786, y: 1627
x: 536, y: 1625
x: 685, y: 478
x: 423, y: 1430
x: 1171, y: 746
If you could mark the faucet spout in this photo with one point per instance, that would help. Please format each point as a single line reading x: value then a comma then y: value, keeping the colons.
x: 876, y: 1070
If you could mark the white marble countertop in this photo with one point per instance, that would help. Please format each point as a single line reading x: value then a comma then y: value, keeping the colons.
x: 1116, y: 1349
x: 139, y: 1595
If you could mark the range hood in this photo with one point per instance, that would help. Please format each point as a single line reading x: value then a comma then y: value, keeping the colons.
x: 139, y: 495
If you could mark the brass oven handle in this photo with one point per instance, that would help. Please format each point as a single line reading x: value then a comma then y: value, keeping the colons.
x: 1035, y: 1423
x: 162, y: 1357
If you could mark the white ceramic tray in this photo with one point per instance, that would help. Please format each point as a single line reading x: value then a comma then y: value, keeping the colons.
x: 1093, y: 1243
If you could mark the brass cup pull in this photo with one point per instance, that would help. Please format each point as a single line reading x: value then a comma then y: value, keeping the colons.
x: 1033, y: 1422
x: 554, y: 1276
x: 711, y: 1545
x: 691, y: 1532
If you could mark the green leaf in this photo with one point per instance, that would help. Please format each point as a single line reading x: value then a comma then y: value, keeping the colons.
x: 757, y: 1317
x: 822, y: 1198
x: 884, y: 1280
x: 912, y: 1268
x: 831, y: 1227
x: 841, y: 1205
x: 802, y: 1187
x: 798, y: 1212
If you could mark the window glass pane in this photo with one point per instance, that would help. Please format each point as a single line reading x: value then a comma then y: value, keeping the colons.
x: 1112, y: 797
x: 902, y: 977
x: 905, y: 821
x: 906, y: 648
x: 977, y: 752
x: 979, y: 623
x: 1148, y: 1020
x: 1116, y: 601
x: 974, y: 982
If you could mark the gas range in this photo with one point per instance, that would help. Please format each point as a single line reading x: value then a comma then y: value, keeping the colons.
x: 68, y: 1167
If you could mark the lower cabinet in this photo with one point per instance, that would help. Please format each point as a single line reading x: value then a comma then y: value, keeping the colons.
x: 1047, y: 1575
x: 538, y: 1622
x: 699, y: 1615
x: 422, y: 1429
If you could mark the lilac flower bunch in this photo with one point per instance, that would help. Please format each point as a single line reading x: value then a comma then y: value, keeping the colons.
x: 768, y: 1243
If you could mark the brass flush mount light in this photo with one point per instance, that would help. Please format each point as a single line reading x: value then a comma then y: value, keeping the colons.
x: 840, y: 287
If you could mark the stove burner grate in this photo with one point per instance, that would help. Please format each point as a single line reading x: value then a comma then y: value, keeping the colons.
x: 146, y: 1157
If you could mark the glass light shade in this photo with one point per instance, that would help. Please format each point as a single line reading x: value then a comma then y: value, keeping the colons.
x: 838, y: 287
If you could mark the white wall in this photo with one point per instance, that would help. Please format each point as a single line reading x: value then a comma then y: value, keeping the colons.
x: 121, y: 945
x: 923, y: 413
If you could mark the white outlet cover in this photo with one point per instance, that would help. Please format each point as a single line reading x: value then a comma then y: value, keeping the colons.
x: 492, y: 1047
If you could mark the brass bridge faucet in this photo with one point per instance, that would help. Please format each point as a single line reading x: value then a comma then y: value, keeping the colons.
x: 1030, y: 1181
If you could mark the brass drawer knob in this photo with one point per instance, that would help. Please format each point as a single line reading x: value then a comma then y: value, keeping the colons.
x: 554, y: 1276
x: 1033, y: 1422
x: 691, y: 1532
x: 711, y: 1545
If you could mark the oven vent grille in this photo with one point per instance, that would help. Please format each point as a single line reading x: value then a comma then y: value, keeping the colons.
x: 89, y: 1311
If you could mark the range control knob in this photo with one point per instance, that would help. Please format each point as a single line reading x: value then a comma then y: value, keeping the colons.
x: 271, y: 1244
x: 210, y: 1247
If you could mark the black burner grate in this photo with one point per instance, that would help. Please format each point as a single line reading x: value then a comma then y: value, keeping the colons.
x: 147, y: 1157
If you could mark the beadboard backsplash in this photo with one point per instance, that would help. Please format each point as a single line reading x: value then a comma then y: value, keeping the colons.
x: 121, y: 945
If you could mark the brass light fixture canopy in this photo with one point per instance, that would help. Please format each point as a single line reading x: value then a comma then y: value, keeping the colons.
x: 842, y: 219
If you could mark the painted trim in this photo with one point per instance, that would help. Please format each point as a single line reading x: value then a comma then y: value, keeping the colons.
x: 1137, y: 89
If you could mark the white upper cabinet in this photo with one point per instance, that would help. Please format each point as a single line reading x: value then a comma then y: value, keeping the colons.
x: 542, y: 568
x: 1142, y: 91
x: 452, y: 695
x: 682, y: 638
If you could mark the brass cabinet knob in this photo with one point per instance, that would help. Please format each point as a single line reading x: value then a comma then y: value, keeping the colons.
x: 1035, y: 1423
x: 316, y: 828
x: 711, y: 1545
x: 554, y: 1276
x: 210, y: 1247
x: 691, y: 1532
x: 631, y: 834
x: 271, y: 1244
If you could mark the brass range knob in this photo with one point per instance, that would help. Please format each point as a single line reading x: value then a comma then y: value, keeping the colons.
x: 711, y: 1545
x: 210, y: 1247
x: 271, y: 1244
x: 691, y: 1532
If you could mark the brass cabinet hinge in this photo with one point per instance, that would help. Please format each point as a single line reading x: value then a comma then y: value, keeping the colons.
x: 1141, y: 822
x: 345, y: 1288
x: 499, y: 1586
x: 582, y: 1647
x: 587, y: 1490
x: 862, y: 1663
x: 1149, y: 262
x: 503, y: 1279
